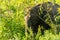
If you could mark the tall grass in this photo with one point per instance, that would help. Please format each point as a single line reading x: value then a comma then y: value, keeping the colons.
x: 12, y: 24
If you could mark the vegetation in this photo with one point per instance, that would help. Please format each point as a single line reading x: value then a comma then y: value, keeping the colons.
x: 12, y: 24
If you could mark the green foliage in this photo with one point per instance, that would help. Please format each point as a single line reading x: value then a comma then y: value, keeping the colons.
x: 12, y: 24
